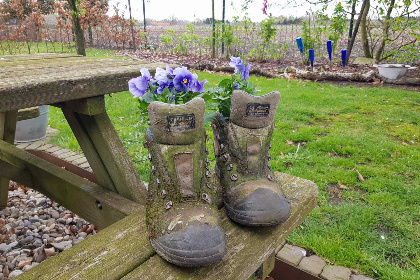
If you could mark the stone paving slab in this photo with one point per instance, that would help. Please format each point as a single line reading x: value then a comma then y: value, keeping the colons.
x: 53, y: 149
x: 72, y: 158
x: 79, y: 161
x: 45, y: 147
x: 23, y: 145
x: 312, y: 264
x: 335, y: 272
x: 59, y: 152
x: 360, y: 277
x: 66, y: 155
x: 291, y: 254
x: 34, y: 146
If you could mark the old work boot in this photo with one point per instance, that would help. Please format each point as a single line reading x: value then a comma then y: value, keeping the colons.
x: 182, y: 215
x: 251, y: 194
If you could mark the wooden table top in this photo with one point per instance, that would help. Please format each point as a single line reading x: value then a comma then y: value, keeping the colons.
x: 39, y: 79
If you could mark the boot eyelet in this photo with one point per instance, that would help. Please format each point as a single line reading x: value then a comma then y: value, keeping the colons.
x: 206, y: 198
x: 269, y: 177
x: 269, y: 157
x: 163, y: 194
x: 157, y: 181
x: 207, y: 138
x: 218, y: 137
x: 269, y: 146
x: 168, y: 205
x: 153, y: 169
x: 208, y: 185
x: 207, y: 161
x: 234, y: 177
x: 269, y: 165
x: 230, y: 167
x: 222, y: 146
x: 225, y: 157
x: 149, y: 156
x: 207, y: 174
x: 207, y: 151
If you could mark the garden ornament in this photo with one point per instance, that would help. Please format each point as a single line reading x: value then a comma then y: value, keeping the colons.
x: 182, y: 216
x: 312, y: 57
x: 344, y: 57
x: 251, y: 195
x: 329, y: 49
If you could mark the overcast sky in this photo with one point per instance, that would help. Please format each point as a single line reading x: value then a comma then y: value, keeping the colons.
x: 201, y: 9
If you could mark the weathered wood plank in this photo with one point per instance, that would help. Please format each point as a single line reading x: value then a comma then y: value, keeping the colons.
x: 28, y: 113
x: 117, y: 162
x: 87, y: 106
x: 7, y: 133
x: 89, y: 150
x: 248, y: 247
x: 124, y: 246
x: 39, y: 89
x: 85, y: 198
x: 109, y: 254
x: 58, y: 66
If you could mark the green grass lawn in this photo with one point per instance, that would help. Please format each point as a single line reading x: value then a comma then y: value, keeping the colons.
x: 372, y: 225
x: 12, y: 48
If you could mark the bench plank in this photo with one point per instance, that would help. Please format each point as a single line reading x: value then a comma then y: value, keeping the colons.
x: 71, y: 191
x: 124, y: 246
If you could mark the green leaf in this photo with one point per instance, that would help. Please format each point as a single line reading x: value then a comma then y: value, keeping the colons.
x: 208, y: 118
x: 148, y: 97
x: 224, y: 83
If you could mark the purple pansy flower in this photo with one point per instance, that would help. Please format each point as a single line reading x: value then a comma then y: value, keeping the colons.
x: 183, y: 79
x: 170, y: 72
x: 197, y: 86
x: 238, y: 63
x: 161, y: 75
x: 163, y: 85
x: 245, y: 74
x: 138, y: 86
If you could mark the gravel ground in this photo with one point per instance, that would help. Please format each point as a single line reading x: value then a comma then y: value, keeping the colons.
x: 34, y: 228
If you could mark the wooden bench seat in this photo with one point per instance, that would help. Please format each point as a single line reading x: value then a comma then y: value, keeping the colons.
x: 123, y: 251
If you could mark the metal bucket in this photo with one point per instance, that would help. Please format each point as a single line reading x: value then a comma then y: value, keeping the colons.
x: 33, y: 129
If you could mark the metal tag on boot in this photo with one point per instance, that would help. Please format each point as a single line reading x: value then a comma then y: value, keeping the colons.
x: 183, y: 122
x: 257, y: 109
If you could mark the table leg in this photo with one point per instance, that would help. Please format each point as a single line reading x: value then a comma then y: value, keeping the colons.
x: 7, y: 133
x: 103, y: 148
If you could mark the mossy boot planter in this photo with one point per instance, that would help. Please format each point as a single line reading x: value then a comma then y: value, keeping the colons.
x: 182, y: 215
x: 252, y: 197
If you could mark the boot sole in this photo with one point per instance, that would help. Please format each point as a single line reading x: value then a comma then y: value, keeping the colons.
x: 181, y: 258
x: 253, y: 218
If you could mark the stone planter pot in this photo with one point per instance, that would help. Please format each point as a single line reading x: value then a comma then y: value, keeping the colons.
x: 33, y: 129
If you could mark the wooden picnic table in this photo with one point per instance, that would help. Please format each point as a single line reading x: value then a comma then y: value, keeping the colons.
x: 116, y: 203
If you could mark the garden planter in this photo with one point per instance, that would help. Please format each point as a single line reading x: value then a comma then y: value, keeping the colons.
x: 34, y: 129
x: 393, y: 71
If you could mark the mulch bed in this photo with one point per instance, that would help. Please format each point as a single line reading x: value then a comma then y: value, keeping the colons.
x: 353, y: 74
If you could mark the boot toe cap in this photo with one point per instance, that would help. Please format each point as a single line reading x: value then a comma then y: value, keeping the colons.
x: 263, y: 207
x: 195, y: 245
